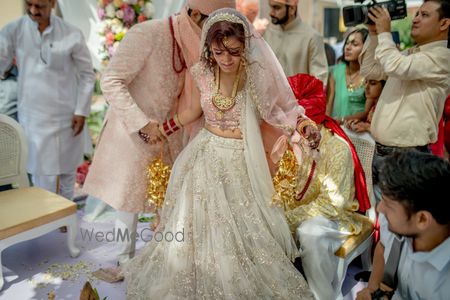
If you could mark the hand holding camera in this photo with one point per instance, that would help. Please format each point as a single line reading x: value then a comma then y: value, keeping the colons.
x: 380, y: 16
x: 360, y: 13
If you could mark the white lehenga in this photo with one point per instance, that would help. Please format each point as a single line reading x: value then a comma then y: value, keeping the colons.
x: 235, y: 244
x: 228, y: 251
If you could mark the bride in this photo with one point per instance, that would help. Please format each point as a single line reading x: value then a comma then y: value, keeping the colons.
x: 235, y: 245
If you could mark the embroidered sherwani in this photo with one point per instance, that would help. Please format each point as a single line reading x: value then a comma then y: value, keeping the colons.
x: 331, y: 193
x: 140, y: 86
x: 323, y: 217
x: 299, y: 49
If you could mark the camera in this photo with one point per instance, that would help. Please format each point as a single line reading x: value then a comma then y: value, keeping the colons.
x: 359, y: 13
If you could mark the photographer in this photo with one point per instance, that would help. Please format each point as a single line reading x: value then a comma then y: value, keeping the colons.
x: 412, y: 102
x: 412, y: 255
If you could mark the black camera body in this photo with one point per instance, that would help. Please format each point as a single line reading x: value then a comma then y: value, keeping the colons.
x: 359, y: 13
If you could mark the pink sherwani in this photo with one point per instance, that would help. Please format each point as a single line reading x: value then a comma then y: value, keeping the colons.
x: 141, y: 86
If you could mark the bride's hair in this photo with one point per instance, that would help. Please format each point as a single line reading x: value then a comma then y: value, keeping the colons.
x: 217, y: 33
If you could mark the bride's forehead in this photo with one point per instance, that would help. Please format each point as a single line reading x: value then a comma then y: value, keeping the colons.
x: 231, y: 42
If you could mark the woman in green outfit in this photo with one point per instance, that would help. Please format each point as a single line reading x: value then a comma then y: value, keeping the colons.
x: 345, y: 91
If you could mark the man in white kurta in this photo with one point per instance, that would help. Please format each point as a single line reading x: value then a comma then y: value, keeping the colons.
x: 55, y: 85
x: 298, y: 47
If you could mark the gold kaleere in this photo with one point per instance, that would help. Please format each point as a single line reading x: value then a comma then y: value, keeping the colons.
x: 285, y: 181
x: 158, y: 174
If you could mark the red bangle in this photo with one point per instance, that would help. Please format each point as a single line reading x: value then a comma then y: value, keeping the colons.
x: 169, y: 127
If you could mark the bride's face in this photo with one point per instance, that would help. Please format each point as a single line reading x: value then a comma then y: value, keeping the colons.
x: 228, y: 54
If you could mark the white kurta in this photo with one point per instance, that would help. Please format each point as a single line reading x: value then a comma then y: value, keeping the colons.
x: 55, y: 82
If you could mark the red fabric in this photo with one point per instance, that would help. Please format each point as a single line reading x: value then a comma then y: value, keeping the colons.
x: 447, y: 109
x: 446, y: 118
x: 310, y: 95
x: 438, y: 147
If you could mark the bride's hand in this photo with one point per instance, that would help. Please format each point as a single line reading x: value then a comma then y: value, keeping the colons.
x: 312, y: 134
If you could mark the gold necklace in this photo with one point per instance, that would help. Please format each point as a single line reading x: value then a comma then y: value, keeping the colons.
x: 350, y: 86
x: 221, y: 102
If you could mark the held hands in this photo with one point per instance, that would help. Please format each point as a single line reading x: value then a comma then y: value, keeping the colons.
x: 154, y: 133
x: 309, y: 130
x: 151, y: 134
x: 312, y: 134
x: 380, y: 16
x: 77, y: 124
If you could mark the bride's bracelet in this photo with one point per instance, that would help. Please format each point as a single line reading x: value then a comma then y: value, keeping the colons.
x: 170, y: 126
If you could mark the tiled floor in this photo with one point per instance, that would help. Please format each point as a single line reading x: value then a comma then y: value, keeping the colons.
x: 42, y: 266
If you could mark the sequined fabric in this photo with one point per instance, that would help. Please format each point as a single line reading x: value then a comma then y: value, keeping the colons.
x: 231, y: 243
x: 332, y: 191
x: 227, y: 250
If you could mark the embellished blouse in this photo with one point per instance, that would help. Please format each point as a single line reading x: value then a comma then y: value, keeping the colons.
x: 225, y: 120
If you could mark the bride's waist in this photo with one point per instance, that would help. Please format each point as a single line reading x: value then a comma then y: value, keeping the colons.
x: 227, y: 133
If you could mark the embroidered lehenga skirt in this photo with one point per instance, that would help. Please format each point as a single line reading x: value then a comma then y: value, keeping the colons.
x: 217, y: 240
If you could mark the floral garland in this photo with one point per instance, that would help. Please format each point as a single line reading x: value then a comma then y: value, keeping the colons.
x: 116, y: 17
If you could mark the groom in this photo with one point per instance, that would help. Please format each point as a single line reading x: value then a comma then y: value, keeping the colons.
x: 146, y: 82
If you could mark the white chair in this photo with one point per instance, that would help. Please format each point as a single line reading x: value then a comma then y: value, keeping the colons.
x: 13, y: 153
x: 27, y: 212
x: 361, y: 244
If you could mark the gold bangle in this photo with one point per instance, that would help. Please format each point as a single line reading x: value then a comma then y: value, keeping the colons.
x: 304, y: 123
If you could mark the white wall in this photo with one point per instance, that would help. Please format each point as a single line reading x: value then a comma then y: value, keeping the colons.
x: 10, y: 10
